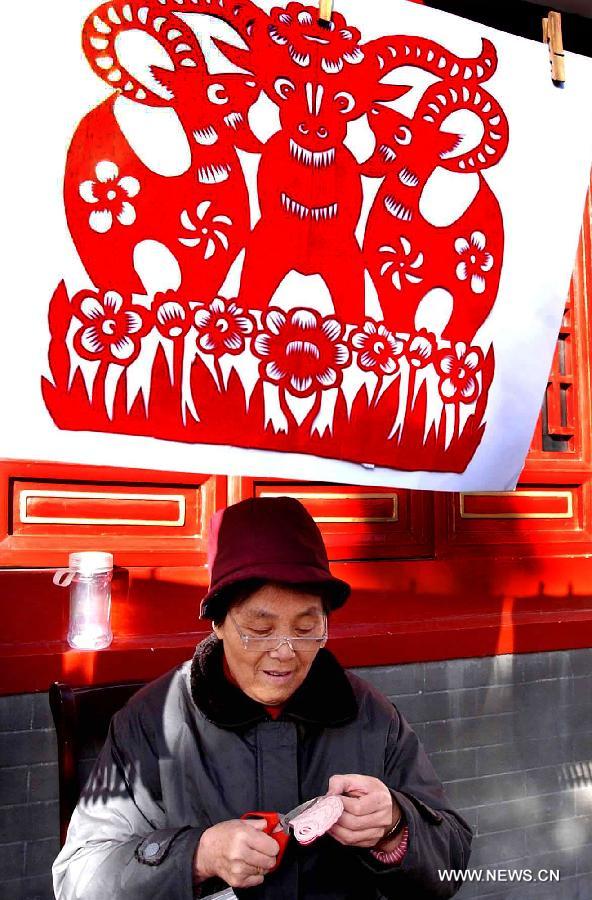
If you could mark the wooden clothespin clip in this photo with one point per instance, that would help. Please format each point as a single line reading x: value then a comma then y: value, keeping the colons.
x: 325, y: 12
x: 553, y: 37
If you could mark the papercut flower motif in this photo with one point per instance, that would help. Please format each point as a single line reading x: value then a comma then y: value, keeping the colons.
x: 401, y: 263
x: 421, y: 348
x: 297, y: 28
x: 378, y: 348
x: 206, y: 231
x: 475, y: 260
x: 459, y: 367
x: 301, y: 351
x: 111, y: 195
x: 111, y: 327
x: 222, y: 327
x: 172, y: 315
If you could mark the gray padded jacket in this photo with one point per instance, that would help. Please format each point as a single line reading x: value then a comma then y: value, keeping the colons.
x: 190, y: 750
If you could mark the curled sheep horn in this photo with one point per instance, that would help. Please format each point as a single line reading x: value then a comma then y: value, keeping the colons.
x: 441, y: 100
x: 402, y: 50
x: 110, y: 20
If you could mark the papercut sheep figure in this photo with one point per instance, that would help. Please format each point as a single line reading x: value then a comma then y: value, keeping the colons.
x: 409, y: 256
x: 310, y: 192
x: 114, y: 200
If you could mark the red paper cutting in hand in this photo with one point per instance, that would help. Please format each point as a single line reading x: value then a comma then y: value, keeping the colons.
x: 313, y: 823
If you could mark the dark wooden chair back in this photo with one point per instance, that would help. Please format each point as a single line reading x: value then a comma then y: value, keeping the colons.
x: 82, y: 716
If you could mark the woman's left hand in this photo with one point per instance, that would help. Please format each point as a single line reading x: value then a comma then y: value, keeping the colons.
x: 369, y: 810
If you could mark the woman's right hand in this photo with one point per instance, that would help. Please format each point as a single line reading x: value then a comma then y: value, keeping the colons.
x: 238, y: 851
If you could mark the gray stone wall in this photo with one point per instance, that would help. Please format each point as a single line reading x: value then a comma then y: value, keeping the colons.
x: 510, y: 736
x: 29, y: 822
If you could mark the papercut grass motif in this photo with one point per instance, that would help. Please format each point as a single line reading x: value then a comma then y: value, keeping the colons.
x: 425, y: 413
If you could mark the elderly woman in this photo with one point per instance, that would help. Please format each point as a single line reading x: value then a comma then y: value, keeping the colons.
x: 262, y: 719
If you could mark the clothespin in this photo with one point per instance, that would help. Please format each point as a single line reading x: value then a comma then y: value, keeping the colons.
x: 553, y: 37
x: 325, y: 12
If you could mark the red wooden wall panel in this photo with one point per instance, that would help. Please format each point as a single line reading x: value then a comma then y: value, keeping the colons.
x: 357, y: 523
x: 47, y: 509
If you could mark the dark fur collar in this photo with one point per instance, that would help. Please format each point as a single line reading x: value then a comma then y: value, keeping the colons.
x: 324, y: 698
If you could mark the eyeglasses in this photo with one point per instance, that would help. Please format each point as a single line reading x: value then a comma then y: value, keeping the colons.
x: 262, y: 644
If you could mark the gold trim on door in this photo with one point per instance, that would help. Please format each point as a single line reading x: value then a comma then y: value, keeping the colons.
x: 26, y: 518
x: 321, y: 495
x: 563, y: 495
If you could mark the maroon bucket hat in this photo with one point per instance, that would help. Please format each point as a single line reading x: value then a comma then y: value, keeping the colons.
x: 273, y: 538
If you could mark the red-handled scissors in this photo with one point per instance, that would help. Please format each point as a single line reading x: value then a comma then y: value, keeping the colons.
x: 278, y: 825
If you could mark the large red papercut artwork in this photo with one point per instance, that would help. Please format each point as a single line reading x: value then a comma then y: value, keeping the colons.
x: 240, y: 370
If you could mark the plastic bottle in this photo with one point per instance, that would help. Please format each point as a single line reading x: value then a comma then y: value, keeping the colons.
x: 88, y: 576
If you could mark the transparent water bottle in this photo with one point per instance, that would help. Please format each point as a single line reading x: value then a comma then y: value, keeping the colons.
x: 88, y: 576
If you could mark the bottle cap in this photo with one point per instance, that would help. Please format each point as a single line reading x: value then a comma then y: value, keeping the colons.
x: 90, y: 562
